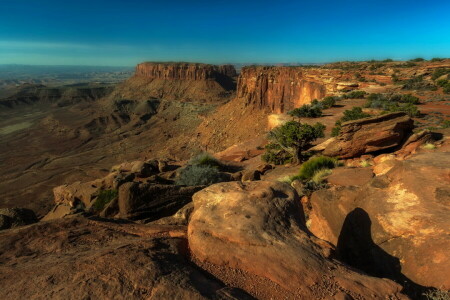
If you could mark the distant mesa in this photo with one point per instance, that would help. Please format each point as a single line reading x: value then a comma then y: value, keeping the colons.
x: 194, y: 82
x: 184, y: 71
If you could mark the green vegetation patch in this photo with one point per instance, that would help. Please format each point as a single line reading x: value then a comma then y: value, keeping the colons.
x: 355, y: 113
x: 315, y: 164
x: 289, y: 140
x: 103, y: 198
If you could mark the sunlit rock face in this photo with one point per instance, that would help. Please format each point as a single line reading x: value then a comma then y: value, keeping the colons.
x: 279, y: 89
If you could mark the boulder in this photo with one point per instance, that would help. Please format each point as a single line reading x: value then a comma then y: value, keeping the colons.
x: 413, y: 143
x: 77, y: 258
x: 258, y: 228
x: 181, y: 217
x: 405, y: 214
x: 251, y: 175
x: 15, y: 217
x: 151, y: 201
x: 370, y: 135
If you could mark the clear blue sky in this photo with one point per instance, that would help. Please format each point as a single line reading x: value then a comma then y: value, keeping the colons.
x: 123, y: 33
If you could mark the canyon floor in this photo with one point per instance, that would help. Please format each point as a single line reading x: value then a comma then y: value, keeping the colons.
x: 377, y: 229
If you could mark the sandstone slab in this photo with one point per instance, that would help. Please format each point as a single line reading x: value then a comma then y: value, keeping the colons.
x: 258, y: 227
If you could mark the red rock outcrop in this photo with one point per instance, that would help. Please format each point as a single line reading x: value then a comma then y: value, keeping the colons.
x: 394, y: 226
x: 279, y: 89
x: 183, y: 71
x: 258, y: 227
x: 370, y: 135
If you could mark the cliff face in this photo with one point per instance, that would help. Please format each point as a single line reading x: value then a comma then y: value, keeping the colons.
x: 279, y: 89
x: 184, y: 71
x: 179, y: 81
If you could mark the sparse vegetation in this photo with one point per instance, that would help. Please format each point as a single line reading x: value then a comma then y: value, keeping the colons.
x: 440, y: 72
x: 355, y: 113
x: 429, y: 146
x: 436, y: 59
x: 193, y: 175
x: 437, y: 295
x: 289, y: 140
x: 103, y: 198
x: 329, y: 101
x: 319, y: 175
x: 365, y: 163
x: 205, y: 159
x: 313, y: 165
x: 419, y: 59
x: 394, y: 102
x: 354, y: 95
x: 417, y: 83
x: 306, y: 111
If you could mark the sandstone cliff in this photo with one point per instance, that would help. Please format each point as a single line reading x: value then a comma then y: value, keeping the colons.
x: 179, y: 81
x: 279, y: 89
x: 184, y: 71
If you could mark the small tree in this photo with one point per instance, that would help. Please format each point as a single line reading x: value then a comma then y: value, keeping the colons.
x: 294, y: 137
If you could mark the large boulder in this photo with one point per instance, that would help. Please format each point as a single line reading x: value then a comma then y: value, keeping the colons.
x: 396, y: 225
x: 258, y: 227
x: 78, y: 258
x: 15, y: 217
x: 370, y: 135
x: 151, y: 201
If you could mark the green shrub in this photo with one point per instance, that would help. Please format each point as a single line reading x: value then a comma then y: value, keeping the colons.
x: 417, y: 83
x: 394, y: 103
x: 194, y: 175
x: 437, y: 295
x: 439, y: 72
x: 103, y: 198
x: 446, y: 124
x: 329, y: 101
x: 306, y: 111
x: 204, y: 159
x: 309, y: 168
x: 354, y: 95
x: 419, y: 59
x: 319, y: 175
x: 291, y: 139
x: 435, y: 59
x: 355, y: 113
x: 442, y: 82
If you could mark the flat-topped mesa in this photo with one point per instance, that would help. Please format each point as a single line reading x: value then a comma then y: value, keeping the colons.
x: 278, y: 89
x: 184, y: 71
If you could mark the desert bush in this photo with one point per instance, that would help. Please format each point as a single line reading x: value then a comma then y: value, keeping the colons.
x: 319, y: 175
x: 329, y: 101
x: 306, y: 111
x: 395, y: 78
x: 355, y: 95
x: 419, y: 59
x: 435, y: 59
x: 439, y: 72
x: 446, y: 124
x: 205, y: 159
x: 445, y: 84
x: 394, y: 102
x: 291, y: 139
x: 103, y: 198
x: 437, y: 295
x: 193, y: 175
x: 314, y: 164
x: 417, y: 83
x: 355, y: 113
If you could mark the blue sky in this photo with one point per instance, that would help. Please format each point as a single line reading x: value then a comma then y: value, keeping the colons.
x: 121, y: 33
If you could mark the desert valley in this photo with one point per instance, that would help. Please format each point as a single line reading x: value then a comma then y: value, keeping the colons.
x: 199, y: 181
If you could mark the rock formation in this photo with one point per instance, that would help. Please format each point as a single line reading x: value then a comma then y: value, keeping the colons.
x: 178, y: 81
x: 184, y: 71
x: 370, y: 135
x: 395, y: 224
x: 258, y: 227
x: 78, y: 258
x: 278, y: 89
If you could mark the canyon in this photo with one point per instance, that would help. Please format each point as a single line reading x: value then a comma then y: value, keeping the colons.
x: 65, y: 149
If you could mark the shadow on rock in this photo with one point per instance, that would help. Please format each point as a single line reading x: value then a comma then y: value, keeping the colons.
x: 356, y: 248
